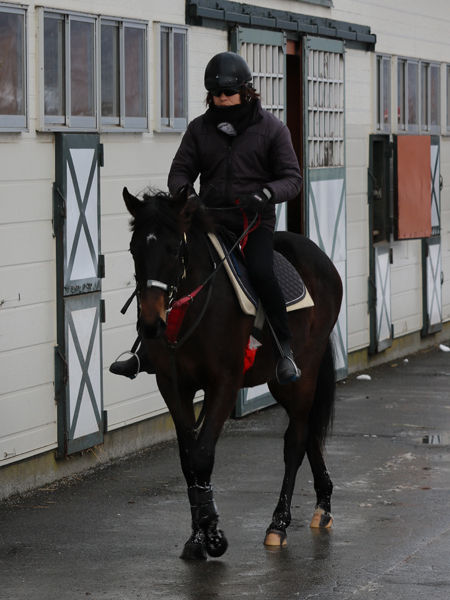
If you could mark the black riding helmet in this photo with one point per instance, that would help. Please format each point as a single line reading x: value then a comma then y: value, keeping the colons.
x: 226, y: 70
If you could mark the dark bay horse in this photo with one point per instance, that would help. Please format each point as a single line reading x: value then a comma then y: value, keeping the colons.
x: 172, y: 258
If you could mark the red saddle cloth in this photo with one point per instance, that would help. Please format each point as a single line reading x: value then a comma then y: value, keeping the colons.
x: 175, y: 320
x: 249, y: 356
x: 176, y: 315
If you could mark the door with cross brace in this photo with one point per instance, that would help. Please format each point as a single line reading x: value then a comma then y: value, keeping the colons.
x: 79, y: 264
x: 432, y: 277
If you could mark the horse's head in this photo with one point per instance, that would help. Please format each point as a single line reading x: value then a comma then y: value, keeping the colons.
x: 160, y: 225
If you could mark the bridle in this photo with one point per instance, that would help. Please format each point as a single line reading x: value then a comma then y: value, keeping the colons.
x: 171, y: 289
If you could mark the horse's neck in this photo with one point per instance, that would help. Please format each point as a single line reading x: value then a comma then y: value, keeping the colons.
x: 200, y: 260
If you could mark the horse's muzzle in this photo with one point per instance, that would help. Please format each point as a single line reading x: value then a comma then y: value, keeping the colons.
x: 152, y: 318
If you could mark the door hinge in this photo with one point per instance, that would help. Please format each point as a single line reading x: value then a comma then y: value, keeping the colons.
x: 59, y: 209
x: 102, y: 311
x: 61, y: 370
x: 101, y: 155
x: 101, y: 266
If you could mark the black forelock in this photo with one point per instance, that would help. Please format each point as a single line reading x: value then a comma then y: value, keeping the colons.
x: 158, y: 209
x: 161, y: 209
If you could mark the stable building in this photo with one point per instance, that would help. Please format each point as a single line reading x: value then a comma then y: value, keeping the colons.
x: 91, y: 101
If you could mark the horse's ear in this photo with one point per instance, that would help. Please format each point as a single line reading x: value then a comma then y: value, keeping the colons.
x: 132, y: 203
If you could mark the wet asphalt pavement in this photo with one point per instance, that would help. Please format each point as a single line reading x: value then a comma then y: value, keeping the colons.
x: 116, y: 534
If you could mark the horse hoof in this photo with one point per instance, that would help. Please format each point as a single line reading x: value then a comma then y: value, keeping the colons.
x: 275, y: 538
x: 321, y: 519
x: 216, y: 543
x: 194, y: 548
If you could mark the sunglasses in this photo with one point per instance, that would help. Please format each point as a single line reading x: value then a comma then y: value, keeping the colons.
x: 226, y: 91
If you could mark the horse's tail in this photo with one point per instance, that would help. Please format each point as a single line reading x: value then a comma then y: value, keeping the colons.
x: 322, y: 412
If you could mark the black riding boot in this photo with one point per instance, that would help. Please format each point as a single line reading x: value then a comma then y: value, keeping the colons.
x: 132, y: 366
x: 286, y: 370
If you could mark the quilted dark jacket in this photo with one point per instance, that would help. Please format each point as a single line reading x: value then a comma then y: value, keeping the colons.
x: 231, y: 166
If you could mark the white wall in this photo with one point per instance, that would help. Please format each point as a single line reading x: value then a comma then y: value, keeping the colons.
x: 358, y: 109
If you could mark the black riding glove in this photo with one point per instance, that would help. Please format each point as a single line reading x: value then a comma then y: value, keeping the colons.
x: 187, y: 190
x: 255, y: 202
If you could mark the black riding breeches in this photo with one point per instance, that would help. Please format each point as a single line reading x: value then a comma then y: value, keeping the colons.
x: 259, y: 258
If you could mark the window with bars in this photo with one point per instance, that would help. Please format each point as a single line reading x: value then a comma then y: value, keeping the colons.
x: 325, y: 109
x: 173, y: 79
x: 266, y: 62
x: 13, y: 78
x: 73, y: 45
x: 383, y: 100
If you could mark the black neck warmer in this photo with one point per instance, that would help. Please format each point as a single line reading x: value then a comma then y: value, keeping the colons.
x: 239, y: 116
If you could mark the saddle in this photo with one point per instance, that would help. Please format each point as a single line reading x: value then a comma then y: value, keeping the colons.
x: 295, y: 293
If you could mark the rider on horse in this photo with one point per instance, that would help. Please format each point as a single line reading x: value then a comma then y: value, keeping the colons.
x: 247, y: 164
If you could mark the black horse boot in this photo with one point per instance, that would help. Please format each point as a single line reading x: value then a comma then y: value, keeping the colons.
x: 132, y: 366
x: 286, y: 370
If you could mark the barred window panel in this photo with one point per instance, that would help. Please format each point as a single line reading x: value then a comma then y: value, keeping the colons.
x: 266, y: 62
x: 325, y: 109
x: 13, y: 105
x: 173, y: 114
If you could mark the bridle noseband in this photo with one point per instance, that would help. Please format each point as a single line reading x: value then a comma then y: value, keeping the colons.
x: 170, y: 289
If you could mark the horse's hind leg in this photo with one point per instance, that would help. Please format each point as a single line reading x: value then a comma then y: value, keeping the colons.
x: 319, y: 422
x: 295, y: 441
x: 322, y: 484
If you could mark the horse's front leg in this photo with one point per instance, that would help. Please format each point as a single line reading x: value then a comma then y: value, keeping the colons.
x: 198, y: 462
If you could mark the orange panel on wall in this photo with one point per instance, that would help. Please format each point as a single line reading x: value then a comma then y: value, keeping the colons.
x: 413, y: 208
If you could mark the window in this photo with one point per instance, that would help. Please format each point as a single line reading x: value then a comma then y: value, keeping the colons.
x: 123, y: 74
x: 173, y: 67
x: 418, y: 96
x: 430, y: 95
x: 408, y: 91
x: 72, y: 97
x: 69, y: 71
x: 383, y: 116
x: 12, y: 69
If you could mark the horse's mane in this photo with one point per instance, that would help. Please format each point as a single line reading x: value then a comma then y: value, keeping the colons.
x: 162, y: 208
